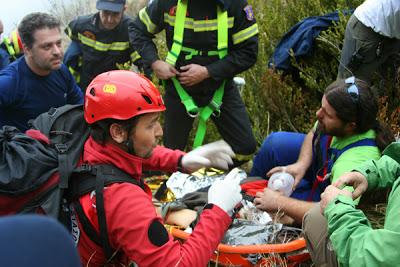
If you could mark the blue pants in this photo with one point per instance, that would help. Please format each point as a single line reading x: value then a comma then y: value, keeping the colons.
x: 36, y: 240
x: 281, y: 149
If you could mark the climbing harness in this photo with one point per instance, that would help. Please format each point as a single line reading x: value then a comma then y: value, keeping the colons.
x: 215, y: 104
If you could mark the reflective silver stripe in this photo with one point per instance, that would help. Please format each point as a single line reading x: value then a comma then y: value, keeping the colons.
x: 135, y: 56
x: 102, y: 46
x: 245, y: 34
x: 69, y: 31
x: 144, y: 17
x: 198, y: 25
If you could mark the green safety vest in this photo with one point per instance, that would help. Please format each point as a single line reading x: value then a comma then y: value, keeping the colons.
x: 173, y: 54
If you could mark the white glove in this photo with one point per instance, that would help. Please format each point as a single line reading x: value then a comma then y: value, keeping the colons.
x: 217, y: 154
x: 226, y: 193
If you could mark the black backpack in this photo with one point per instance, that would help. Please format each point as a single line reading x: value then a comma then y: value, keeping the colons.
x: 38, y: 172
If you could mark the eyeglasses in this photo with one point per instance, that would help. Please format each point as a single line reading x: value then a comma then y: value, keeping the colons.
x: 353, y: 89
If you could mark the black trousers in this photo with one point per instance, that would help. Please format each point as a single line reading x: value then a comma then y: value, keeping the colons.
x: 233, y: 123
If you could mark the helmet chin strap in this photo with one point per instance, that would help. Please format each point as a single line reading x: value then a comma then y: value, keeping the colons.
x: 129, y: 145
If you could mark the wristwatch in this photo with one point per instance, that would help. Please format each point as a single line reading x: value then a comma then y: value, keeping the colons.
x: 232, y: 213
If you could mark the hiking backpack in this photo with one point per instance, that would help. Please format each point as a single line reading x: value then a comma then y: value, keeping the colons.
x: 39, y: 173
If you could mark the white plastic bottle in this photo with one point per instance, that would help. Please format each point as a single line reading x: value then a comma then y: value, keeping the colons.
x: 282, y: 181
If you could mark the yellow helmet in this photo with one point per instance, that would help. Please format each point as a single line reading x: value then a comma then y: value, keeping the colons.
x: 16, y: 41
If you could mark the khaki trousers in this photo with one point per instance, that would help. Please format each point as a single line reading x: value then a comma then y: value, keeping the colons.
x: 315, y: 231
x: 378, y: 52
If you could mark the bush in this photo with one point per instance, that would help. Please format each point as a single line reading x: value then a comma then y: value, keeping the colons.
x: 288, y: 102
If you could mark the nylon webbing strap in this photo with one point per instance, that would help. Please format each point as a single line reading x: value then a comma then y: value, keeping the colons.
x: 87, y: 178
x: 186, y: 99
x: 206, y: 112
x: 222, y: 32
x: 216, y: 101
x: 179, y: 28
x: 193, y: 52
x: 173, y: 54
x: 86, y: 225
x: 101, y: 217
x: 63, y: 166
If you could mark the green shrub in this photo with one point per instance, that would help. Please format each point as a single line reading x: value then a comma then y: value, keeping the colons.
x: 276, y: 102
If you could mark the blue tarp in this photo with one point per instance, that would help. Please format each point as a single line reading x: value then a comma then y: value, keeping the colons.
x: 300, y: 39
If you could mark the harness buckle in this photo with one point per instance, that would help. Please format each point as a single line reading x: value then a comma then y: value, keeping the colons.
x: 193, y: 114
x: 216, y: 113
x: 85, y: 168
x: 215, y: 106
x: 61, y: 148
x: 189, y: 105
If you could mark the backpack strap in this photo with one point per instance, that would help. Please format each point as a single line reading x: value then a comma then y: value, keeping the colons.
x: 87, y: 227
x: 101, y: 216
x: 331, y: 155
x: 87, y: 178
x: 326, y: 141
x: 63, y: 166
x: 334, y: 153
x: 83, y: 179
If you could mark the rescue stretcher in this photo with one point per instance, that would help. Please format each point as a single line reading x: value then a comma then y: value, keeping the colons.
x: 285, y: 254
x: 291, y: 252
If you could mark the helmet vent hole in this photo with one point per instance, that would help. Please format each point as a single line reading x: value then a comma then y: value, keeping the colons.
x: 139, y: 108
x: 92, y: 92
x: 148, y: 100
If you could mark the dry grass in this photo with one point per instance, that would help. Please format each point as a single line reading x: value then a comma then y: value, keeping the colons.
x: 376, y: 214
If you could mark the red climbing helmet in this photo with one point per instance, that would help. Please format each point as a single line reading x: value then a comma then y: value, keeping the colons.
x: 121, y: 95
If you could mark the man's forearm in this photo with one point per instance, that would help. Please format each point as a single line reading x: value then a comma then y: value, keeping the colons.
x: 306, y: 156
x: 294, y: 208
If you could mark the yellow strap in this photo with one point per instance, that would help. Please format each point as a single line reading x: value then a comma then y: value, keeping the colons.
x: 179, y: 28
x: 173, y: 54
x: 222, y: 32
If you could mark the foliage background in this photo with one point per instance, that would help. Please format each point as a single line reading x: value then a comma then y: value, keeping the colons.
x: 274, y: 101
x: 289, y: 103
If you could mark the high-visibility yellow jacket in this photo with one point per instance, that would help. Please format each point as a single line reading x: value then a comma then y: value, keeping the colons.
x: 200, y: 33
x: 100, y: 50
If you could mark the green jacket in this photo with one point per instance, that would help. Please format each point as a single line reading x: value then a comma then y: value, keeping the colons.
x: 353, y: 239
x: 353, y: 157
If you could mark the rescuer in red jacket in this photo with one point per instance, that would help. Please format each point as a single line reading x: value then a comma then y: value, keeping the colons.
x: 123, y: 108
